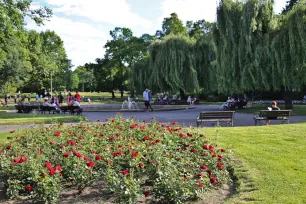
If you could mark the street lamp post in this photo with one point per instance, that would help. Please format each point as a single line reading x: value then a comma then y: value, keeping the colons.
x: 51, y: 84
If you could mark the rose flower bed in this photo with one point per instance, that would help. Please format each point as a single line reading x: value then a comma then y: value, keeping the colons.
x: 163, y: 162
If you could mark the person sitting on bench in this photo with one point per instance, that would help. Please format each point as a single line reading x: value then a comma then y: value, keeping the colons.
x: 274, y: 107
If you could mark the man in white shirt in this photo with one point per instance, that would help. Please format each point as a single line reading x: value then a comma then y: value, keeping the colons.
x: 145, y: 96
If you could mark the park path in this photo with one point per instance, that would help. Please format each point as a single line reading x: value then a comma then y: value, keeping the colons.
x: 183, y: 117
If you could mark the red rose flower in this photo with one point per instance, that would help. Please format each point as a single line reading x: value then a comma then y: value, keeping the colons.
x: 0, y: 153
x: 72, y: 143
x: 28, y: 188
x: 219, y: 165
x: 119, y: 153
x: 111, y: 138
x: 140, y: 164
x: 205, y: 147
x: 101, y: 135
x: 124, y: 172
x: 47, y: 164
x: 51, y: 143
x: 119, y: 145
x: 109, y: 161
x: 85, y: 158
x: 182, y: 134
x: 132, y: 126
x: 113, y: 120
x: 22, y: 159
x: 90, y: 164
x: 192, y: 150
x: 199, y: 175
x: 16, y: 160
x: 56, y: 134
x: 51, y: 171
x: 66, y: 154
x: 146, y: 193
x: 200, y: 185
x: 213, y: 180
x: 220, y: 158
x: 98, y: 157
x: 58, y: 168
x: 134, y: 154
x: 211, y: 147
x: 203, y: 167
x: 187, y: 145
x: 8, y: 147
x: 185, y: 178
x: 146, y: 138
x: 93, y: 151
x: 189, y: 134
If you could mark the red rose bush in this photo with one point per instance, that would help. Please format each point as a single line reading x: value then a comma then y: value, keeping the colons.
x: 132, y: 159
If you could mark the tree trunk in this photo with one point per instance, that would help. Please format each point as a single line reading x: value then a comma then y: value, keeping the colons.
x: 288, y: 100
x: 113, y: 94
x: 132, y: 94
x: 182, y: 94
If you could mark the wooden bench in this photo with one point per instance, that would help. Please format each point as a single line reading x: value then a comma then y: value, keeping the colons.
x: 44, y: 109
x: 216, y: 116
x: 23, y: 108
x: 72, y: 110
x: 282, y: 115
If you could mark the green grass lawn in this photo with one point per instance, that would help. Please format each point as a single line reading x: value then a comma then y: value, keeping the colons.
x: 19, y: 119
x: 298, y: 110
x: 269, y: 162
x: 3, y: 136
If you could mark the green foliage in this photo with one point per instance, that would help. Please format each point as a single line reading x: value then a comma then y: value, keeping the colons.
x: 173, y: 25
x: 16, y: 57
x: 132, y: 159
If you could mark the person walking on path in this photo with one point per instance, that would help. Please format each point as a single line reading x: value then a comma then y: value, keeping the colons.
x: 146, y: 99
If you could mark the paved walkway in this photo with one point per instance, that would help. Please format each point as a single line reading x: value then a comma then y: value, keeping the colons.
x: 183, y: 117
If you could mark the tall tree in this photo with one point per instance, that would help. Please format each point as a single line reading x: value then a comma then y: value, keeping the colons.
x: 173, y: 25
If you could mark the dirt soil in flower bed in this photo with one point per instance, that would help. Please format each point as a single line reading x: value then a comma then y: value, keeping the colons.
x: 98, y: 193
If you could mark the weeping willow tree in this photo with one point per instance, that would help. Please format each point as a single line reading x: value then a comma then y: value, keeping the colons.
x: 243, y: 45
x: 204, y: 53
x: 258, y: 51
x: 171, y: 65
x: 288, y: 49
x: 140, y: 75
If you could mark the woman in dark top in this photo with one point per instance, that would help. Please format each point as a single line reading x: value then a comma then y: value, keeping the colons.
x: 274, y: 107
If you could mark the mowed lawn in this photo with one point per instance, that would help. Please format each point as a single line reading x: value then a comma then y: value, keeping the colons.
x: 20, y: 119
x: 269, y: 162
x: 298, y: 110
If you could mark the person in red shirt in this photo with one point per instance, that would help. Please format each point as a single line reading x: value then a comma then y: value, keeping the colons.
x: 77, y: 96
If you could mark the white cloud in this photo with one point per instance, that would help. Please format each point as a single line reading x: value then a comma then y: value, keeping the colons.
x: 279, y: 5
x: 115, y: 12
x: 83, y: 42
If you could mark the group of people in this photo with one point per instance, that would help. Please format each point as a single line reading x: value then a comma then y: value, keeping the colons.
x: 56, y: 102
x: 232, y: 103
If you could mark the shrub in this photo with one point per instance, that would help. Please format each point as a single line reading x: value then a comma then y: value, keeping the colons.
x: 132, y: 159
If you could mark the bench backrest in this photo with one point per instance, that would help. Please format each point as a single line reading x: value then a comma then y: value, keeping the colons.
x: 275, y: 113
x: 217, y: 114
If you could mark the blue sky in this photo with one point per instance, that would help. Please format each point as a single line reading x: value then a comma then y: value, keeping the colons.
x: 84, y: 25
